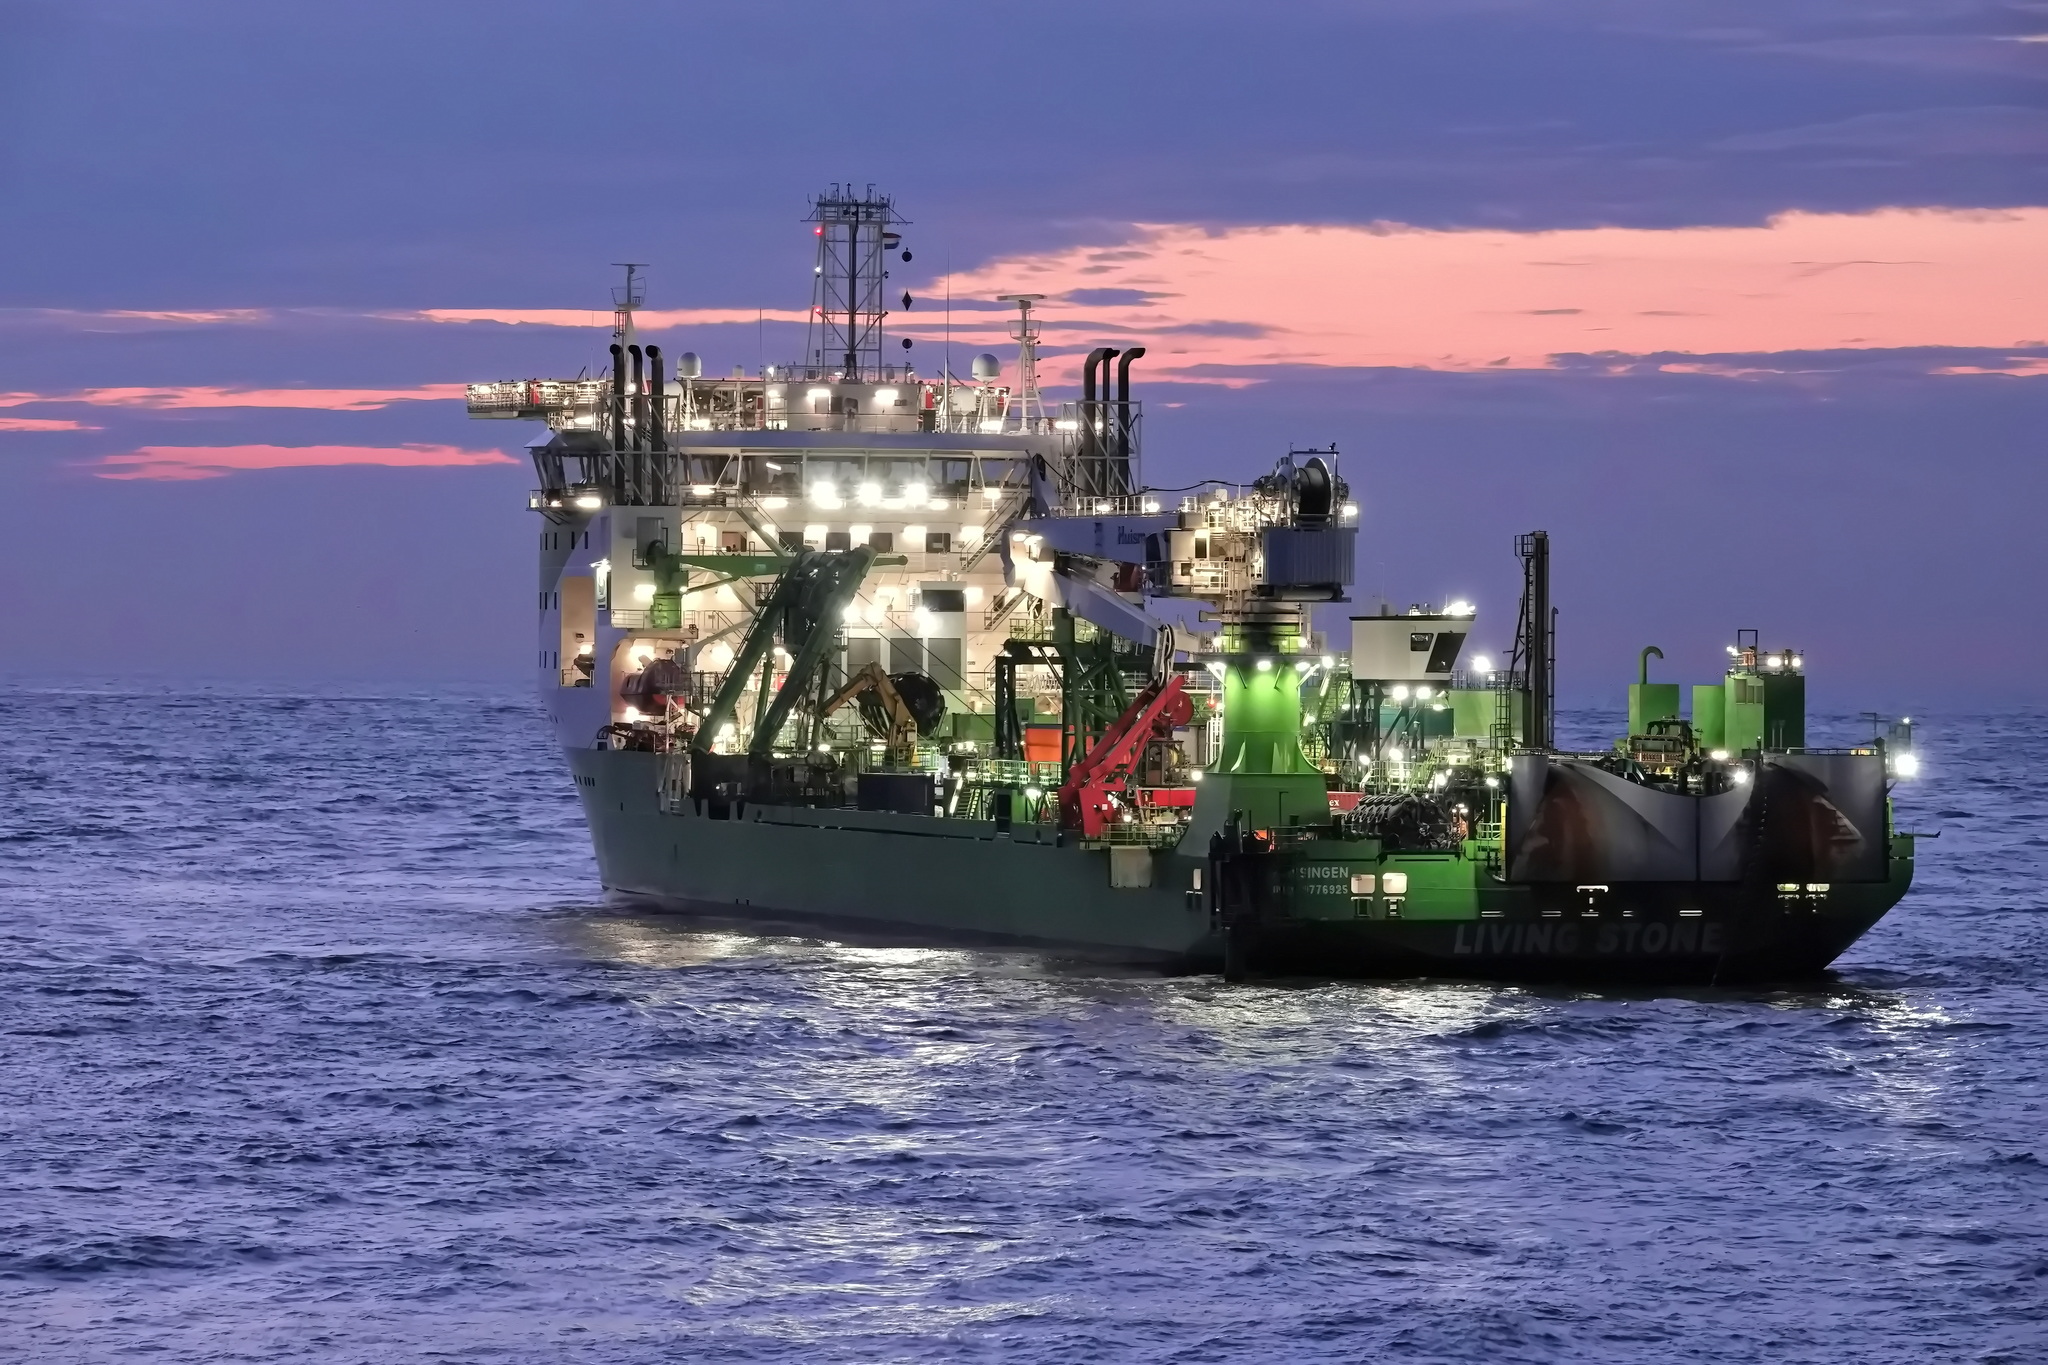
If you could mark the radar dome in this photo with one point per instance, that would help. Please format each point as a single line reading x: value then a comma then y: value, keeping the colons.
x: 689, y: 365
x: 987, y: 367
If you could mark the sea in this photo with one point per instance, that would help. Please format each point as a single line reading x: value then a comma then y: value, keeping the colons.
x: 322, y: 1043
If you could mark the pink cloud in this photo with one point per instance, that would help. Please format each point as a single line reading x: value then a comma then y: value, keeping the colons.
x: 2023, y: 366
x: 212, y: 462
x: 329, y: 400
x: 647, y: 319
x: 1391, y: 295
x: 42, y: 424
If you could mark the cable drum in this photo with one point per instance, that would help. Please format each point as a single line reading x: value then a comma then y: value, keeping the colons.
x: 921, y: 694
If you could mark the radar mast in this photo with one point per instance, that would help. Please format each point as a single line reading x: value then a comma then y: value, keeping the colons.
x: 1030, y: 408
x: 855, y: 234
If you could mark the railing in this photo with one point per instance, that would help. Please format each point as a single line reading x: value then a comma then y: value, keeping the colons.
x: 534, y: 399
x: 1107, y: 446
x: 1118, y: 505
x: 1006, y: 510
x: 1144, y: 834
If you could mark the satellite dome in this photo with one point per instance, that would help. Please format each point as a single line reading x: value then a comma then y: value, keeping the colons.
x: 689, y: 365
x: 987, y: 367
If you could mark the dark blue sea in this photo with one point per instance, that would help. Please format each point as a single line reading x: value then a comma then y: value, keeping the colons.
x: 322, y: 1044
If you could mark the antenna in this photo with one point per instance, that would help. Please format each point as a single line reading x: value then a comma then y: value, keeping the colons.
x: 626, y: 298
x: 1026, y: 332
x: 855, y: 233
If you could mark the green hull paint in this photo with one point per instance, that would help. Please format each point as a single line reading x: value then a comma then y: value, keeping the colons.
x: 967, y: 881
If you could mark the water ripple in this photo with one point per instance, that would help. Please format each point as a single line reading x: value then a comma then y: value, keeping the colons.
x: 319, y: 1048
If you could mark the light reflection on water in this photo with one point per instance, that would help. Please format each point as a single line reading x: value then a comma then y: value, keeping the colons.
x: 318, y: 1048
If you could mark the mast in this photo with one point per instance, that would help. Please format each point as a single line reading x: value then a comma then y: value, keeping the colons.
x: 1026, y: 332
x: 854, y: 235
x: 626, y: 298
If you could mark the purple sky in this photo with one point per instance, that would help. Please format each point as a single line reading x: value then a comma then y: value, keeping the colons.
x: 307, y: 181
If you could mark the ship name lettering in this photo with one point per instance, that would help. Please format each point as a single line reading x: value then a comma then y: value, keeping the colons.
x: 1544, y: 938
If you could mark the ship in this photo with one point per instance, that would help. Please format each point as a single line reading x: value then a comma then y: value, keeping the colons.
x: 873, y: 648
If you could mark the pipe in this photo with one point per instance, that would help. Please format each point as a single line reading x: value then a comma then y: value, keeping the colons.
x: 639, y: 424
x: 1091, y: 439
x: 1123, y: 416
x: 1095, y: 358
x: 618, y: 417
x: 1643, y: 663
x: 1105, y: 450
x: 657, y: 437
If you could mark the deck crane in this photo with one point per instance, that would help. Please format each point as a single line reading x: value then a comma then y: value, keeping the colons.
x: 1088, y: 797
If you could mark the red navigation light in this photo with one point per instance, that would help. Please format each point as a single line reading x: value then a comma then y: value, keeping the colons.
x: 818, y: 231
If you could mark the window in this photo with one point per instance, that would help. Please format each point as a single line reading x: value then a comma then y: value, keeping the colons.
x: 781, y: 476
x: 882, y: 542
x: 901, y: 478
x: 906, y: 655
x: 838, y: 540
x: 943, y: 658
x: 938, y: 542
x: 950, y: 476
x: 791, y: 541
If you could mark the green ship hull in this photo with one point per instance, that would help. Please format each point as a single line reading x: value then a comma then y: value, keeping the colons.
x: 970, y: 882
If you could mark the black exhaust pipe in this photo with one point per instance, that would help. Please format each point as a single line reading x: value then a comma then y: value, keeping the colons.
x: 618, y: 420
x: 639, y: 425
x: 1123, y: 417
x: 1094, y: 448
x: 657, y: 418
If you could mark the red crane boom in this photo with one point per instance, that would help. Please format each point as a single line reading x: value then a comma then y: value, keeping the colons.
x: 1086, y: 798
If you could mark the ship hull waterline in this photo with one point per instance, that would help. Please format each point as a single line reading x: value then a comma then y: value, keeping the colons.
x: 957, y: 883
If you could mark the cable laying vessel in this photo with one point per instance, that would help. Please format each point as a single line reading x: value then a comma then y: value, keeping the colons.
x: 846, y: 643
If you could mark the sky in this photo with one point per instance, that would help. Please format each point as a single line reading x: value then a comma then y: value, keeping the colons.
x: 1745, y: 303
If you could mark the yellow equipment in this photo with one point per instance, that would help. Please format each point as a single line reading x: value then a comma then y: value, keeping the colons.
x: 896, y: 720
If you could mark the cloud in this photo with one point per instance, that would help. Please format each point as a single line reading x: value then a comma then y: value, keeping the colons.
x: 198, y: 317
x: 1989, y: 130
x: 212, y: 462
x: 41, y: 424
x: 325, y: 400
x: 1971, y: 54
x: 132, y: 319
x: 1393, y: 295
x: 647, y: 319
x: 2019, y: 366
